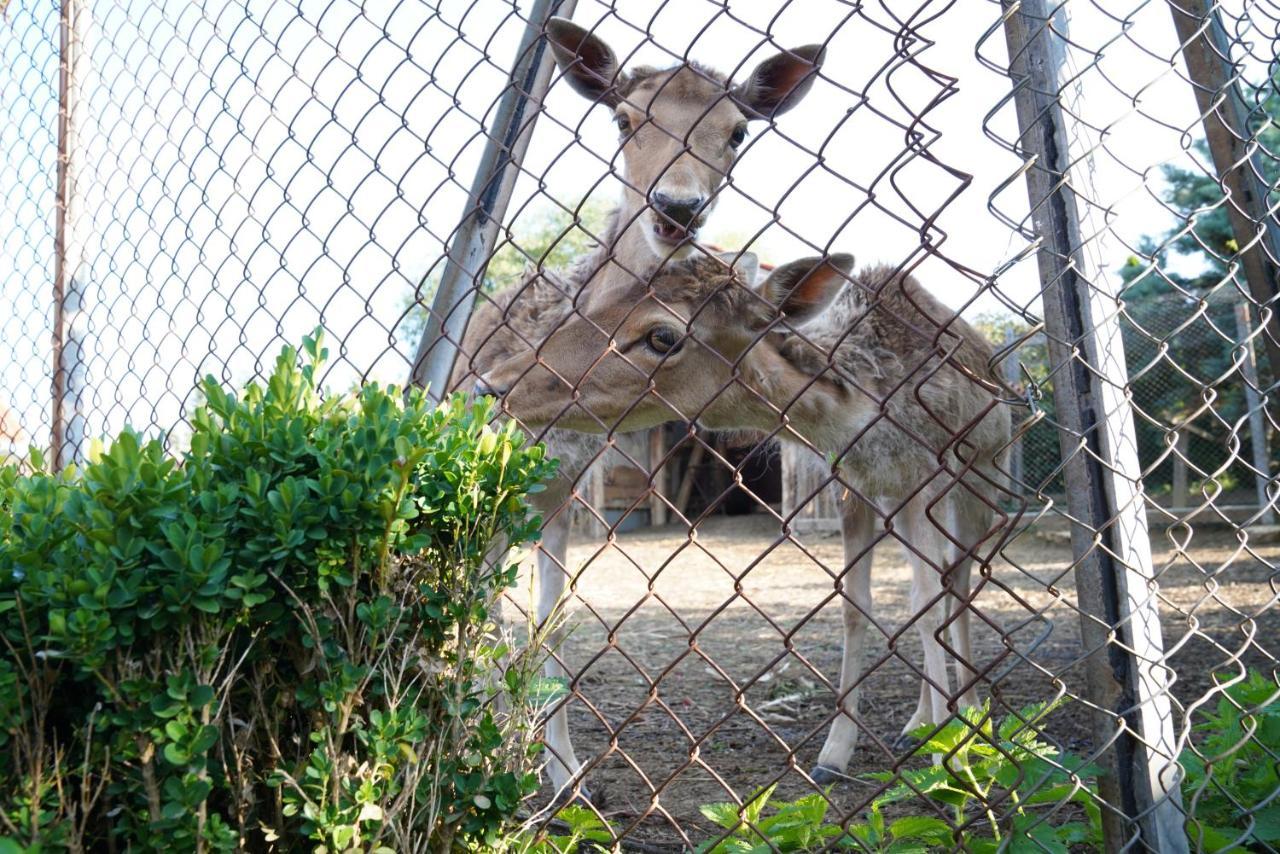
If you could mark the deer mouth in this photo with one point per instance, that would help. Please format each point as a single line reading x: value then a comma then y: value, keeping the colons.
x: 672, y: 233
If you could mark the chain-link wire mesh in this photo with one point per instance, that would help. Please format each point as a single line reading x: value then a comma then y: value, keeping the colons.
x: 1219, y: 453
x: 1042, y: 398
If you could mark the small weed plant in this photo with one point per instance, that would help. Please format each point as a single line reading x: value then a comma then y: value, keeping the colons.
x: 579, y: 831
x: 284, y: 638
x: 1232, y: 785
x: 1001, y: 785
x: 997, y: 786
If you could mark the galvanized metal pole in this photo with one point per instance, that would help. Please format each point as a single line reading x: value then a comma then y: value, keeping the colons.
x: 57, y: 419
x: 1115, y: 589
x: 477, y: 233
x: 1259, y: 454
x: 1215, y: 79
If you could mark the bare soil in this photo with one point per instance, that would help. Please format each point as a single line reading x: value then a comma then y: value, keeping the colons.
x: 706, y: 662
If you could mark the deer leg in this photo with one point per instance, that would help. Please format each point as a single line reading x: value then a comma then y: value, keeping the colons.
x: 857, y: 523
x: 971, y: 522
x: 919, y: 717
x: 973, y: 517
x: 961, y: 633
x: 562, y: 764
x: 927, y: 555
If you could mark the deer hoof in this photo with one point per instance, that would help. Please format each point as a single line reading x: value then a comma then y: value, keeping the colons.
x: 825, y: 775
x: 905, y: 743
x: 579, y: 796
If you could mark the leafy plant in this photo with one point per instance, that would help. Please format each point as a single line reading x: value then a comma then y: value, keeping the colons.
x: 791, y: 826
x: 1001, y: 779
x: 286, y: 636
x: 985, y: 768
x: 1232, y: 785
x: 801, y: 825
x: 584, y: 832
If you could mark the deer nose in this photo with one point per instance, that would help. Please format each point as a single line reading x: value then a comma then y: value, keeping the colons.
x: 483, y: 387
x: 680, y: 211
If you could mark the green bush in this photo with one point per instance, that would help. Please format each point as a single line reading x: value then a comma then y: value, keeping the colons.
x: 286, y: 636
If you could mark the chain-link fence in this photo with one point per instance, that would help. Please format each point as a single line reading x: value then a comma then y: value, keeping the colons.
x: 1202, y: 442
x: 1042, y: 398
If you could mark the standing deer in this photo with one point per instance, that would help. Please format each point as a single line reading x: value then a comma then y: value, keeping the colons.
x: 867, y: 369
x: 680, y: 130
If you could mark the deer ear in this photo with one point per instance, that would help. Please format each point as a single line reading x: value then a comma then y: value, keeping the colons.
x: 777, y: 84
x: 589, y: 65
x: 745, y: 265
x: 803, y: 289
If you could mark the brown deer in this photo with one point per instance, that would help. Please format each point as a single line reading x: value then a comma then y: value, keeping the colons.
x: 680, y: 130
x: 867, y: 369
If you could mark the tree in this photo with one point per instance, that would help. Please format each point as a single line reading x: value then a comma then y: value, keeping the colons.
x: 543, y: 235
x: 1179, y: 327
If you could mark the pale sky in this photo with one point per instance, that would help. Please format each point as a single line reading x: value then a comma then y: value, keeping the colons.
x: 246, y: 170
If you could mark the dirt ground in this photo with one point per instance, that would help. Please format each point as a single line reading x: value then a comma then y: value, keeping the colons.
x: 706, y: 664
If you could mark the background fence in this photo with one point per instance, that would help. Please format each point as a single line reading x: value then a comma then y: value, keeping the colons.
x: 188, y: 186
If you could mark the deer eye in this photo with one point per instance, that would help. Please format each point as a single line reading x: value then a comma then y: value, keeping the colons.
x: 623, y: 121
x: 738, y: 136
x: 664, y: 340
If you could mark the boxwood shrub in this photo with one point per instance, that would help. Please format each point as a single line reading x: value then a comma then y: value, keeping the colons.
x: 282, y: 639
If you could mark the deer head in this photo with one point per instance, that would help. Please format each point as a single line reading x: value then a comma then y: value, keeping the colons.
x: 680, y: 128
x: 698, y: 343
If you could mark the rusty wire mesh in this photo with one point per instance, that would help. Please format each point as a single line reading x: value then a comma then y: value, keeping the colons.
x: 240, y: 174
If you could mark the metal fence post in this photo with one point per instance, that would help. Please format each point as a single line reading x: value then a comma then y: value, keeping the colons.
x: 1126, y: 679
x: 1214, y: 78
x: 477, y: 232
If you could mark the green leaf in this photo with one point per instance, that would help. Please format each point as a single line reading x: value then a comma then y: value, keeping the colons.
x: 752, y: 809
x: 1267, y: 823
x: 209, y: 606
x: 1032, y: 834
x: 1213, y: 839
x: 201, y: 696
x: 176, y: 755
x: 933, y: 831
x: 206, y: 737
x: 722, y: 814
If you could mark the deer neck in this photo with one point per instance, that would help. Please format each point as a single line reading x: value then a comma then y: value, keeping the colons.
x: 625, y: 254
x: 816, y: 409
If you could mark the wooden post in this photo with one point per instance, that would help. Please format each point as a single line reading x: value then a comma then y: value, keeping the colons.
x: 657, y: 476
x: 595, y: 496
x: 1125, y: 674
x: 690, y: 474
x: 1013, y: 378
x: 809, y: 507
x: 1259, y: 452
x: 1181, y: 500
x: 58, y: 448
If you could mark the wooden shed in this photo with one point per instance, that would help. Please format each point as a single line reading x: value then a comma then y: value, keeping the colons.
x: 657, y: 476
